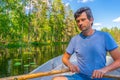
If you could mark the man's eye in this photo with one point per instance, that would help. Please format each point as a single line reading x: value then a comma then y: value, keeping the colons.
x: 77, y: 21
x: 82, y: 19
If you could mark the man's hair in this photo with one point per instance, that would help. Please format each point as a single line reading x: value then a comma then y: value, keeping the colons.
x: 87, y: 10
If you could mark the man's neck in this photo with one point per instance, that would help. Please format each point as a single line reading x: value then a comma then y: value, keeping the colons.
x: 88, y: 32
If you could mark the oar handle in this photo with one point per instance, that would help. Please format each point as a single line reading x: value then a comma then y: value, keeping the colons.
x: 112, y: 76
x: 35, y: 75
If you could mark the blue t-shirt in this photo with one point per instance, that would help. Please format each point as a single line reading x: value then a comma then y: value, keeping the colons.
x: 91, y: 50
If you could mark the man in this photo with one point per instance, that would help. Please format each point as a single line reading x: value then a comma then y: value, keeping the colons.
x: 91, y: 47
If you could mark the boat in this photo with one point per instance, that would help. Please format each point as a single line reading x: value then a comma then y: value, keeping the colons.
x: 56, y: 64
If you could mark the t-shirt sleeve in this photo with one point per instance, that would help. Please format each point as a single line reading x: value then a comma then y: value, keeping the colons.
x: 70, y: 47
x: 110, y: 43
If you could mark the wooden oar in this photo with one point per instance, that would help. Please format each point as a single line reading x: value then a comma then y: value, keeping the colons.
x: 112, y: 76
x: 41, y: 74
x: 35, y: 75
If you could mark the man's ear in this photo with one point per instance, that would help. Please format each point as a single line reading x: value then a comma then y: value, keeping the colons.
x: 91, y: 20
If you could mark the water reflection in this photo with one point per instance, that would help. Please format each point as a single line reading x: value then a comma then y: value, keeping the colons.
x: 16, y: 61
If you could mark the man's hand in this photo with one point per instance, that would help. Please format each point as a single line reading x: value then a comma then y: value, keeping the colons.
x: 98, y: 73
x: 73, y: 68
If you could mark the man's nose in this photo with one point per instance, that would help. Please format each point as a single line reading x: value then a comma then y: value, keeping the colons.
x: 80, y: 23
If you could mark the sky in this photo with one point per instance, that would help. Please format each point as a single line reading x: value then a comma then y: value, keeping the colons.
x: 106, y: 12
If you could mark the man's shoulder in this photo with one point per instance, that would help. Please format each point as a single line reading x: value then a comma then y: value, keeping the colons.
x: 102, y: 32
x: 76, y: 36
x: 98, y: 31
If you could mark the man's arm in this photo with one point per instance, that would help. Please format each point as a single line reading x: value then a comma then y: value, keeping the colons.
x: 115, y: 54
x: 66, y: 61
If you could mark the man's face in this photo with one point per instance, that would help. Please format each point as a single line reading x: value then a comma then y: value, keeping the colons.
x: 83, y: 22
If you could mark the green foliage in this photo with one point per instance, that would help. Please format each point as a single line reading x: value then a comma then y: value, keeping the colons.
x: 44, y: 23
x: 16, y: 45
x: 39, y: 43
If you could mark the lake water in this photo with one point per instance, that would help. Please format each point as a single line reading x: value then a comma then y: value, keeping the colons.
x: 22, y: 60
